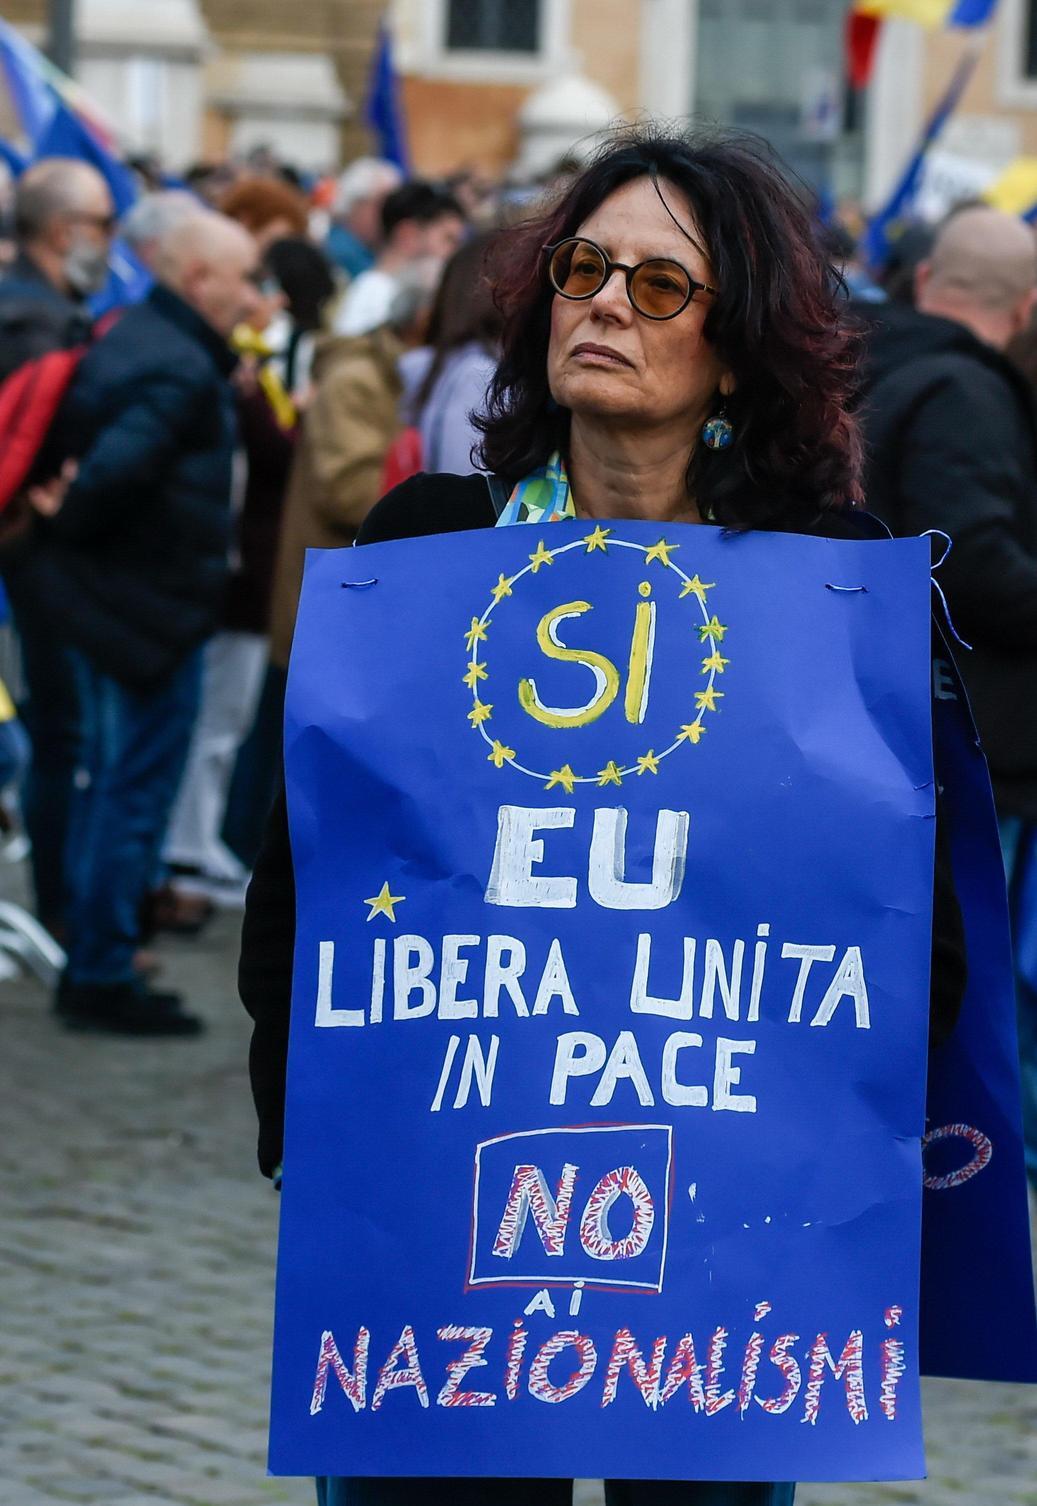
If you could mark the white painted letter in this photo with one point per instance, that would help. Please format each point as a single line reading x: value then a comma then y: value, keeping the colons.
x: 512, y: 881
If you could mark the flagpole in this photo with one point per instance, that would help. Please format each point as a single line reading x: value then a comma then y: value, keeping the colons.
x: 61, y: 34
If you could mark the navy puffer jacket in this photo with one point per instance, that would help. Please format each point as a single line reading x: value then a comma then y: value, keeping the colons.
x: 134, y: 565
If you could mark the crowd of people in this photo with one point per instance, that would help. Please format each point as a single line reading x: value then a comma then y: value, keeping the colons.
x: 277, y: 367
x: 287, y: 359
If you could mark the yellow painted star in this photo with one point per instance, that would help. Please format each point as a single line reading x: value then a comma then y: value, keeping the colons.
x: 648, y: 764
x: 712, y: 629
x: 610, y: 774
x: 475, y: 634
x: 696, y: 587
x: 476, y: 671
x: 660, y: 551
x: 706, y: 700
x: 596, y: 540
x: 692, y: 731
x: 382, y: 903
x: 541, y: 557
x: 501, y: 589
x: 480, y: 712
x: 499, y: 755
x: 563, y: 776
x: 715, y: 662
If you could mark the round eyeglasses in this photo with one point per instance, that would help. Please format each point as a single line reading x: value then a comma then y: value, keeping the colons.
x: 657, y: 289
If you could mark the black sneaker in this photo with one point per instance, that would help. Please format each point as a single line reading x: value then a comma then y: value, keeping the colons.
x: 124, y: 1009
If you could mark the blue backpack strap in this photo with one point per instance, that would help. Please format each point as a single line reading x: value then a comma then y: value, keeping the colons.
x: 500, y: 493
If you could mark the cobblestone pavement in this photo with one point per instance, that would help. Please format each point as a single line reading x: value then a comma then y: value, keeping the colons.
x: 137, y: 1250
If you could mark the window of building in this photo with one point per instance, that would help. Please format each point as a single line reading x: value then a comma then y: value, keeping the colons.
x: 509, y: 26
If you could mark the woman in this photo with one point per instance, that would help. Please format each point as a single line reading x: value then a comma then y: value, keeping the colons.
x: 446, y: 380
x: 673, y: 350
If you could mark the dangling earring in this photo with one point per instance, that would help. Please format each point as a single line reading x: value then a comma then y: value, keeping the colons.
x: 718, y: 432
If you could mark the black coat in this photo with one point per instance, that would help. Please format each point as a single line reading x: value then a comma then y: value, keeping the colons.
x: 134, y: 565
x: 447, y: 504
x: 35, y: 317
x: 951, y: 439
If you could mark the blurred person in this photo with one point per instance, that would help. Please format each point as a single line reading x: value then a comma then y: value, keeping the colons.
x: 303, y: 273
x: 129, y: 556
x: 211, y: 180
x: 64, y: 219
x: 268, y: 208
x: 446, y: 380
x: 952, y: 445
x: 202, y: 866
x: 144, y: 225
x: 897, y: 277
x: 419, y: 222
x: 356, y: 228
x: 348, y: 428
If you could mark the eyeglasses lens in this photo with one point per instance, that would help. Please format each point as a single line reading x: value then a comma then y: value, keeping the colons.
x: 577, y: 269
x: 659, y: 289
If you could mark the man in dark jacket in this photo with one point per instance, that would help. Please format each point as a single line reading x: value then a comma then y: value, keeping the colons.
x: 952, y: 445
x: 131, y: 557
x: 63, y: 223
x: 63, y: 217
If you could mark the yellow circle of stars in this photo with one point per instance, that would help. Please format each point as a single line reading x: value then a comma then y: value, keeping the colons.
x: 711, y: 633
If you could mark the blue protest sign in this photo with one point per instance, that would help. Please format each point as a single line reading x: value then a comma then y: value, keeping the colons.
x: 978, y: 1318
x: 613, y: 860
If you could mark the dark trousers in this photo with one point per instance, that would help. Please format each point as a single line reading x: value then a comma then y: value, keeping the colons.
x: 51, y: 716
x: 447, y: 1492
x: 134, y: 747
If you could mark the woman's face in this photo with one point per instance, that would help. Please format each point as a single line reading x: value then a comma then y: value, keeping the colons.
x: 643, y: 373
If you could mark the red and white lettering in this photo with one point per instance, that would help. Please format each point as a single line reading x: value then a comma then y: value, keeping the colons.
x: 750, y: 1365
x: 513, y: 1360
x: 353, y: 1383
x: 789, y: 1367
x: 391, y: 1377
x: 625, y: 1353
x: 850, y: 1370
x: 529, y: 1194
x: 539, y: 1384
x: 715, y: 1402
x: 450, y: 1395
x: 684, y: 1370
x: 983, y: 1150
x: 893, y: 1367
x: 595, y: 1234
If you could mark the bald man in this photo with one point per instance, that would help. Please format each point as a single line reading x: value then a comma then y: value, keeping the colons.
x: 130, y: 557
x: 64, y: 219
x: 952, y: 445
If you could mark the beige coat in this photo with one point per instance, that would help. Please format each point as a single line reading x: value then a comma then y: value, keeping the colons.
x: 335, y: 477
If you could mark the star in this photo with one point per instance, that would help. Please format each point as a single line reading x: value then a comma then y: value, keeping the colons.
x: 382, y: 903
x: 499, y: 755
x: 501, y: 589
x: 697, y: 587
x: 712, y: 629
x: 714, y: 662
x: 649, y: 764
x: 480, y: 712
x: 610, y: 774
x: 692, y: 731
x: 563, y: 776
x: 541, y: 557
x: 596, y: 540
x: 474, y: 634
x: 706, y: 700
x: 476, y: 671
x: 660, y: 551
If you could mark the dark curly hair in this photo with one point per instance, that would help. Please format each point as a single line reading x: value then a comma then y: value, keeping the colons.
x: 779, y: 322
